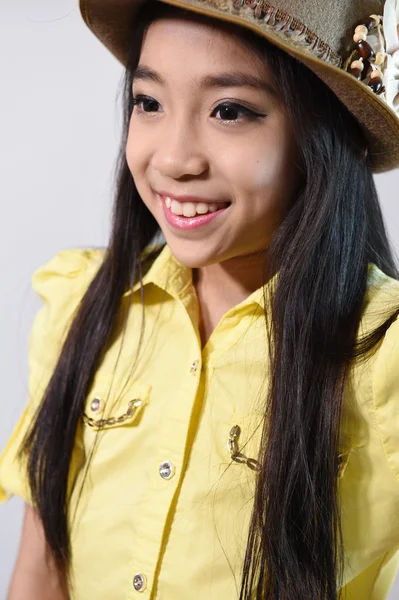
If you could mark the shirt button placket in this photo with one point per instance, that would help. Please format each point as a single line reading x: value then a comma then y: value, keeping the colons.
x: 158, y: 501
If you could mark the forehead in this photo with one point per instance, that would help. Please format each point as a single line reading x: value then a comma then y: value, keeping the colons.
x: 193, y: 45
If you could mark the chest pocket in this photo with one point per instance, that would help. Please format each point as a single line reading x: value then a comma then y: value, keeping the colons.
x: 112, y: 427
x: 243, y: 437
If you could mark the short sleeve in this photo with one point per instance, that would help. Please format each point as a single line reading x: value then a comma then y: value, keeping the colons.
x: 386, y: 395
x: 61, y: 284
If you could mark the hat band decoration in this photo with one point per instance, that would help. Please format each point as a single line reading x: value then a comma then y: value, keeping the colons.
x: 281, y: 22
x: 375, y: 61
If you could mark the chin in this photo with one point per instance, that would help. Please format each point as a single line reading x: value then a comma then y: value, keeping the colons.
x: 191, y: 254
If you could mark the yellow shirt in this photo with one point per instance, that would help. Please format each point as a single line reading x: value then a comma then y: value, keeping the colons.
x: 163, y: 501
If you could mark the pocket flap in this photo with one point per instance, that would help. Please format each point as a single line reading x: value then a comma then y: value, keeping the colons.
x: 105, y: 410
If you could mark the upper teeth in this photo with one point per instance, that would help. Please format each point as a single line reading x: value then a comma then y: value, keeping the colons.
x: 190, y: 209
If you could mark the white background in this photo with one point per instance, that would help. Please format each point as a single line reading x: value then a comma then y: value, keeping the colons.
x: 59, y: 124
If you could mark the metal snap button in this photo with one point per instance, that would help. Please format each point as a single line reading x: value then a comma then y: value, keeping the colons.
x: 166, y: 470
x: 194, y: 367
x: 139, y: 582
x: 97, y: 404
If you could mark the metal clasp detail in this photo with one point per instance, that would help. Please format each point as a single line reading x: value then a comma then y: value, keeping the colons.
x: 235, y: 453
x: 100, y: 423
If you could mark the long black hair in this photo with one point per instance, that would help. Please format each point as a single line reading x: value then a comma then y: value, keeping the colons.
x: 321, y: 253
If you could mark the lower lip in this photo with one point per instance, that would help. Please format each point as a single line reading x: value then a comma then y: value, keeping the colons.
x: 181, y: 222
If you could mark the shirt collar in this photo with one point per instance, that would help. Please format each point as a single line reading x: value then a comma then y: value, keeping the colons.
x: 166, y: 272
x: 170, y: 275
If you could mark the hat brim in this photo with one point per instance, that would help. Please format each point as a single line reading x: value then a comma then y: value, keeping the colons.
x: 111, y: 23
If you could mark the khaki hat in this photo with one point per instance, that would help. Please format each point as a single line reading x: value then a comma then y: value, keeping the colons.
x: 352, y: 45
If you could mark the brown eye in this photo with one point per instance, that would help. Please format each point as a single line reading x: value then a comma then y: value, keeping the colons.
x: 231, y: 112
x: 147, y: 104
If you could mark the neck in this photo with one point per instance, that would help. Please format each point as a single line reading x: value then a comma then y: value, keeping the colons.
x: 222, y: 286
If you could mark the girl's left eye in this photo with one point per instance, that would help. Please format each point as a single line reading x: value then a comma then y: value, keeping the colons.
x: 230, y: 112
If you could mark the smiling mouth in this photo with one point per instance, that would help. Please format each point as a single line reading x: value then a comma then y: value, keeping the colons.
x: 193, y: 209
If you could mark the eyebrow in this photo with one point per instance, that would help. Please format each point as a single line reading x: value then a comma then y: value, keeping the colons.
x: 222, y: 80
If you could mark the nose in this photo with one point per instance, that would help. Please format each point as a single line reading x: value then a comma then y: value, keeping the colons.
x: 180, y: 151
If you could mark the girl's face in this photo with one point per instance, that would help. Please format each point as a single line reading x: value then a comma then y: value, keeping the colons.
x: 202, y: 128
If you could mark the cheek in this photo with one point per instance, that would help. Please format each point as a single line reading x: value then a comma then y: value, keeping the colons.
x: 263, y: 173
x: 133, y: 156
x: 271, y: 169
x: 137, y: 161
x: 257, y: 170
x: 266, y: 180
x: 136, y: 152
x: 261, y: 160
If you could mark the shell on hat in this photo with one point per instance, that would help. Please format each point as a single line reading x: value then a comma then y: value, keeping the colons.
x: 319, y: 34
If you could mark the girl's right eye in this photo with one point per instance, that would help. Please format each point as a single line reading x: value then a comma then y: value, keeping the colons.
x: 147, y: 104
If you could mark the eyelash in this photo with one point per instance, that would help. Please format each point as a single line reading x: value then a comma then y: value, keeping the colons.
x: 249, y: 114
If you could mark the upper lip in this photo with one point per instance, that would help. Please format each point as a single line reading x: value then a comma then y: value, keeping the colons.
x: 189, y: 198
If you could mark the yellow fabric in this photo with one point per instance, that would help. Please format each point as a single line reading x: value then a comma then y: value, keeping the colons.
x: 187, y: 534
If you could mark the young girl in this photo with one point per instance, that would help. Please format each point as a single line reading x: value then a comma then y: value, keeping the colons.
x: 217, y: 416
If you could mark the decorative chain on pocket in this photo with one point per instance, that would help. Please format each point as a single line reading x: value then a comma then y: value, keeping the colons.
x: 253, y: 464
x: 100, y: 423
x: 235, y: 453
x: 340, y: 465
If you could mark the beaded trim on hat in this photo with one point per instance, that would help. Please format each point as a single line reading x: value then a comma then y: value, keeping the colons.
x: 280, y: 23
x: 375, y: 60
